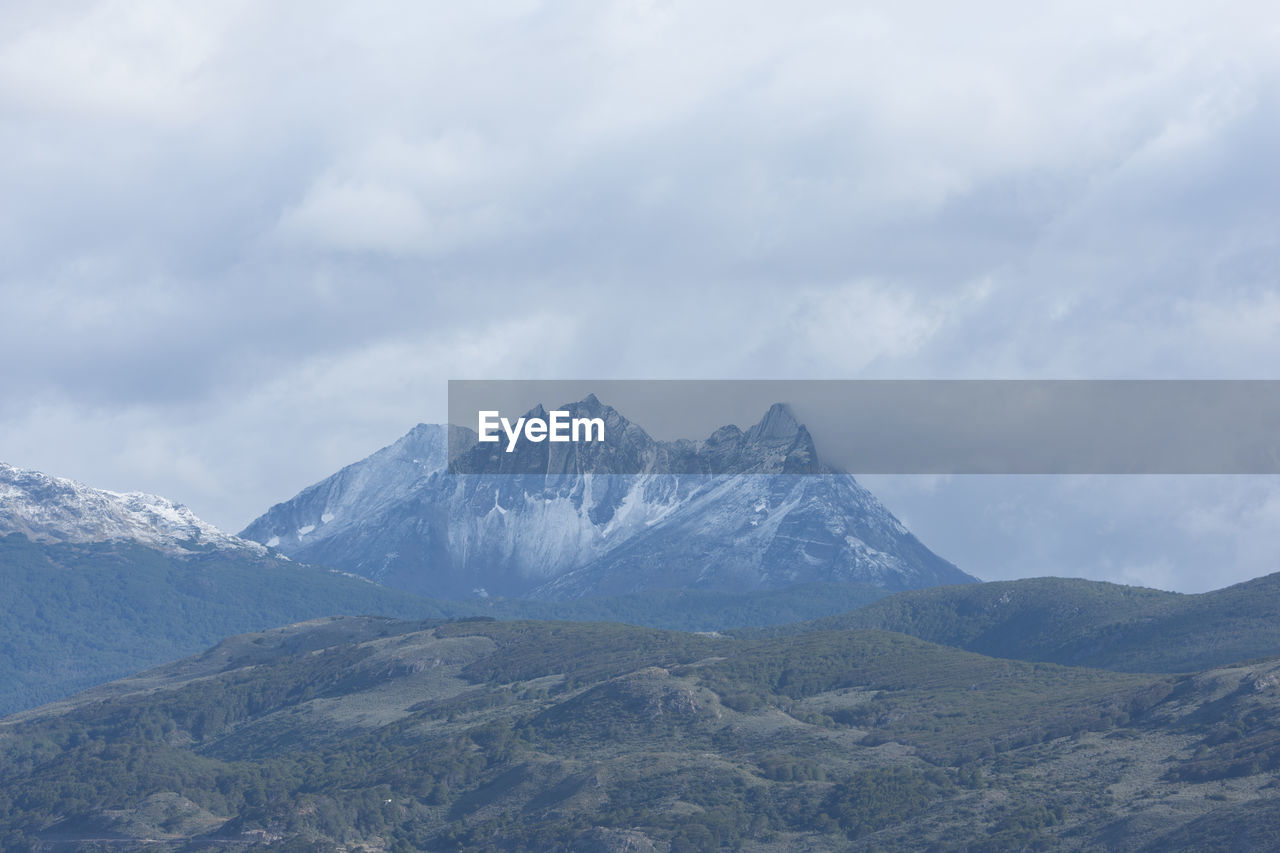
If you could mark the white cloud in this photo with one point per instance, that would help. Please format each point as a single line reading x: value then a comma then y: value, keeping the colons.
x: 136, y: 60
x: 359, y: 217
x: 234, y: 454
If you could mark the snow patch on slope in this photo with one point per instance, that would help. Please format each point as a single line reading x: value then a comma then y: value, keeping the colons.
x: 54, y: 509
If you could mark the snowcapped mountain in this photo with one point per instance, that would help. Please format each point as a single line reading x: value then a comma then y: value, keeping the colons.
x: 56, y: 510
x: 343, y: 506
x: 740, y: 510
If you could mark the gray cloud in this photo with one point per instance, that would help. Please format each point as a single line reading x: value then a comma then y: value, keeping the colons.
x: 243, y: 244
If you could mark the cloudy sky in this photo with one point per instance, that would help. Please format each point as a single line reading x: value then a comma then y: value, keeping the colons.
x: 243, y: 244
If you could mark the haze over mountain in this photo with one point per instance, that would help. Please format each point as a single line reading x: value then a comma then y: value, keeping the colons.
x: 740, y: 510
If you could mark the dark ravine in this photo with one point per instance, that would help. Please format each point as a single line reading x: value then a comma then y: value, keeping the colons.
x: 749, y: 509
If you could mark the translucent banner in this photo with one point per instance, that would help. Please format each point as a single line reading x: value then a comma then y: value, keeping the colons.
x: 865, y: 426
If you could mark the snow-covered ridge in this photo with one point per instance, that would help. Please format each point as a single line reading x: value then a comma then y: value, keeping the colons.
x: 755, y: 509
x: 54, y: 509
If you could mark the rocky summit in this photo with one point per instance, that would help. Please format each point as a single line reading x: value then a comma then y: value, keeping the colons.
x: 751, y: 509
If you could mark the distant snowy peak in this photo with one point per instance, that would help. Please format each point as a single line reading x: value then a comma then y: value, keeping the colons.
x: 54, y: 509
x: 632, y: 513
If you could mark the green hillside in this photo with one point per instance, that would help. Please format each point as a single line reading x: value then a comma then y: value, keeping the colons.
x: 77, y: 615
x: 72, y: 616
x: 1085, y: 623
x: 688, y: 609
x: 370, y: 734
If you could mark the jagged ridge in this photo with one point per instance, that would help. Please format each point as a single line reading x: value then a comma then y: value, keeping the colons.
x: 740, y: 510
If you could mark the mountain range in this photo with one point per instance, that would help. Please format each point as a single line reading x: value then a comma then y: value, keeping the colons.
x: 1044, y: 713
x: 100, y: 584
x: 742, y: 510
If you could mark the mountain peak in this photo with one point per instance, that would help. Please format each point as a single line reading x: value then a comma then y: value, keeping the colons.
x: 778, y: 423
x: 604, y: 518
x: 591, y: 406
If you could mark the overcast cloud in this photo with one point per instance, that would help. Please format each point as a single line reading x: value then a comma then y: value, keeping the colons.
x: 243, y: 244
